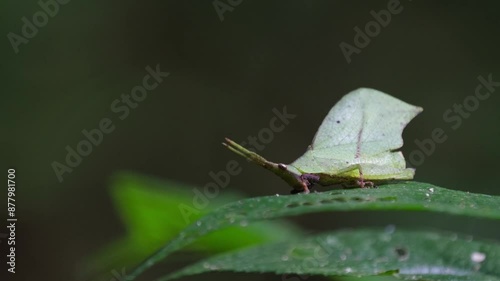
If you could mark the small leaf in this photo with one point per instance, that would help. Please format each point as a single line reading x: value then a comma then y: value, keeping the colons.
x: 412, y: 196
x: 409, y: 255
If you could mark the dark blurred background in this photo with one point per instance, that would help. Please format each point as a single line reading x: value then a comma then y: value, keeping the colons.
x: 225, y: 79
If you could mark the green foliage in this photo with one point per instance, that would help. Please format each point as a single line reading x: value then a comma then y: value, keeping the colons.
x: 365, y: 252
x: 357, y: 141
x: 411, y: 196
x: 149, y: 209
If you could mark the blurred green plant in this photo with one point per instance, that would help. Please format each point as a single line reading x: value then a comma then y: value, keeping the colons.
x: 404, y: 254
x: 409, y: 255
x: 149, y: 209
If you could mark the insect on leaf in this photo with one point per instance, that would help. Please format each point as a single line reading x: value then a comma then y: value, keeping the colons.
x: 355, y: 144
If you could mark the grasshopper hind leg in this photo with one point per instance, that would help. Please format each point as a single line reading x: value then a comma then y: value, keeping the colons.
x: 361, y: 182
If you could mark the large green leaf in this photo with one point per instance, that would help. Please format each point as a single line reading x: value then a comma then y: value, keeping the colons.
x: 410, y: 255
x: 412, y: 196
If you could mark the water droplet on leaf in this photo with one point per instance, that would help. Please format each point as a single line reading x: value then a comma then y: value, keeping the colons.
x: 390, y: 229
x: 477, y: 257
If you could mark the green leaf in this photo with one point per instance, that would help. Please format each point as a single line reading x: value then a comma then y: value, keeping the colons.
x: 151, y: 212
x: 410, y: 255
x: 412, y: 196
x: 355, y: 144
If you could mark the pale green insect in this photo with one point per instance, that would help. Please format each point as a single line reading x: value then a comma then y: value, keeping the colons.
x: 355, y: 144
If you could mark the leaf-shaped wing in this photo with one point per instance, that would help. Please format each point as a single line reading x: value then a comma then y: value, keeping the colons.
x: 361, y: 131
